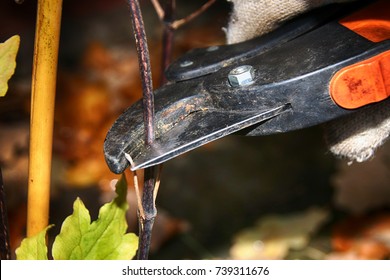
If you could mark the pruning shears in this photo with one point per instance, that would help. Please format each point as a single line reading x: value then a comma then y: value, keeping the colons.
x: 323, y: 65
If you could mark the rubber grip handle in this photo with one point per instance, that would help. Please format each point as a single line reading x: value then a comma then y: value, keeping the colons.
x: 363, y: 83
x: 372, y: 22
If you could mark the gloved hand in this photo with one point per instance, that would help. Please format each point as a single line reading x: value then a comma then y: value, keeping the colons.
x: 354, y: 137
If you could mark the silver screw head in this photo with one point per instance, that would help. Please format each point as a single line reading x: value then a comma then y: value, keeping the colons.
x: 241, y: 76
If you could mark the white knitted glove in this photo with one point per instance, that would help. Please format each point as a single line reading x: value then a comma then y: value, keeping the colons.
x: 355, y: 137
x: 251, y: 18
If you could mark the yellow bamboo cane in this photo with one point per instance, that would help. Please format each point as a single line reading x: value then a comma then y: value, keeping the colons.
x: 44, y: 77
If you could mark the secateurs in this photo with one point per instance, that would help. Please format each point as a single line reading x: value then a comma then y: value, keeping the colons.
x: 318, y: 67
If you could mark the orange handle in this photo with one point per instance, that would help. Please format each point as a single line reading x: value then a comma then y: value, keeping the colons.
x: 372, y: 22
x: 365, y: 82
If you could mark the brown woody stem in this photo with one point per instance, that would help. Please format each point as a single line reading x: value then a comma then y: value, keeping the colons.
x: 148, y: 209
x: 5, y: 248
x: 145, y: 69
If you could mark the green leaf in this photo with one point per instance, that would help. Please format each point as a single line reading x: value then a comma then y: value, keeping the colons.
x: 67, y: 244
x: 8, y: 51
x: 34, y: 247
x: 104, y: 239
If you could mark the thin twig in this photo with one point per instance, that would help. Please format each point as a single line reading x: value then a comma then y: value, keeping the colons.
x: 177, y: 23
x: 159, y: 10
x: 166, y: 16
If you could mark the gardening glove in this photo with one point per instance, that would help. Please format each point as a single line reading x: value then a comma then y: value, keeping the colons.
x: 355, y: 137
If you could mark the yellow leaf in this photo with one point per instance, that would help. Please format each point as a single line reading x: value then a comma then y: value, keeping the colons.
x: 275, y: 235
x: 8, y: 51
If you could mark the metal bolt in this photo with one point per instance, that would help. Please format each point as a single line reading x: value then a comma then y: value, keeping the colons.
x: 241, y: 76
x: 186, y: 63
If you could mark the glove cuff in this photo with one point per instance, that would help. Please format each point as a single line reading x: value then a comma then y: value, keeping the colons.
x: 252, y: 18
x: 357, y: 136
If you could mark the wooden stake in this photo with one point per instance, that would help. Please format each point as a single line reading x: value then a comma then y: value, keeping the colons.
x: 44, y: 77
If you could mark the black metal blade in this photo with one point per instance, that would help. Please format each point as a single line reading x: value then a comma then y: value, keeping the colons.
x: 198, y: 129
